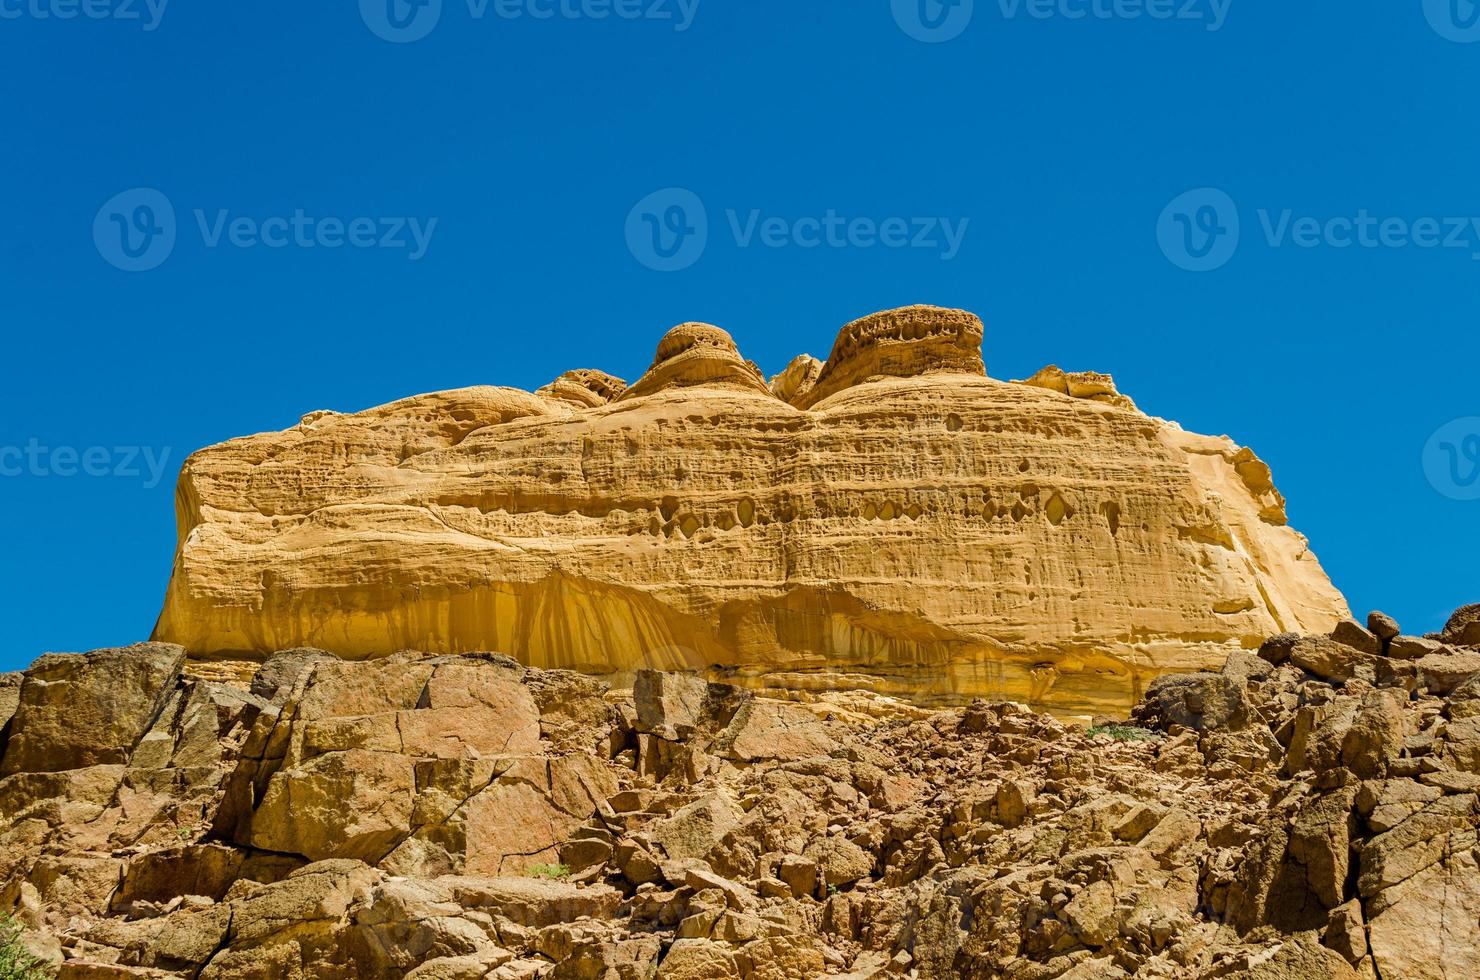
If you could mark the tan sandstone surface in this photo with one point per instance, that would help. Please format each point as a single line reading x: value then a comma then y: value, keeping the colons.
x: 1308, y: 812
x: 893, y: 519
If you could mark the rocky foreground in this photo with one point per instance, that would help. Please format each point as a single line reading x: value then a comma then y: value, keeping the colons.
x: 1309, y: 812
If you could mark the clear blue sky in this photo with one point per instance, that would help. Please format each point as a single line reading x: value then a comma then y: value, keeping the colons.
x: 1060, y: 139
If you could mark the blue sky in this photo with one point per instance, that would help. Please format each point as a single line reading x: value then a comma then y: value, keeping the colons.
x: 1058, y: 149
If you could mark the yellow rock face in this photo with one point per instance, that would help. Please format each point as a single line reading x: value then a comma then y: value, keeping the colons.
x: 893, y: 518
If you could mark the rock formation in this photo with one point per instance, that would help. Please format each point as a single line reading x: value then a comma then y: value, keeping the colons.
x: 1308, y: 812
x: 893, y: 518
x: 687, y: 759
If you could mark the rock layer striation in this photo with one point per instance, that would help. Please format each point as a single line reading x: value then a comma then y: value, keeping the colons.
x: 892, y: 518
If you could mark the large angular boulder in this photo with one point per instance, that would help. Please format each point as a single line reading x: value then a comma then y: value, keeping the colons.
x: 1445, y: 673
x: 1428, y: 927
x: 764, y: 729
x: 1375, y: 736
x: 1334, y: 660
x: 1202, y: 702
x: 91, y: 709
x: 353, y: 804
x: 1464, y: 626
x: 670, y: 706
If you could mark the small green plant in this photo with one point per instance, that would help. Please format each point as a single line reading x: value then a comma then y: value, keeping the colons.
x: 185, y: 833
x: 552, y: 872
x: 1123, y: 733
x: 16, y: 962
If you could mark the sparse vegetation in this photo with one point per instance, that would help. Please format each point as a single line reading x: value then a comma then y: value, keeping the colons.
x: 16, y: 963
x: 553, y: 872
x: 1123, y: 733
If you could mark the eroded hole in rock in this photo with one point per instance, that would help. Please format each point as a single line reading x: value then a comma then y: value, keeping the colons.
x: 1058, y: 510
x: 1111, y: 511
x: 747, y: 512
x: 953, y: 422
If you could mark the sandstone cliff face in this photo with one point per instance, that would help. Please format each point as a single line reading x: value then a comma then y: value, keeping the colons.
x: 893, y: 518
x: 1307, y: 812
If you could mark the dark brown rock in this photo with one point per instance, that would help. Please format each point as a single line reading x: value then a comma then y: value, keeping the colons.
x: 91, y: 709
x: 1383, y: 626
x: 1333, y: 660
x: 1445, y: 673
x: 1353, y: 635
x: 1196, y: 701
x: 1277, y: 648
x: 1464, y: 626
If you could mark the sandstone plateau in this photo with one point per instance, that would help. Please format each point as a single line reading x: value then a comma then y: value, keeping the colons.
x: 892, y: 519
x: 1305, y: 813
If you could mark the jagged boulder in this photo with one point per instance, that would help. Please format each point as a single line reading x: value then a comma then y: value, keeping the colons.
x: 1196, y: 701
x: 465, y: 816
x: 1463, y: 627
x: 79, y: 710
